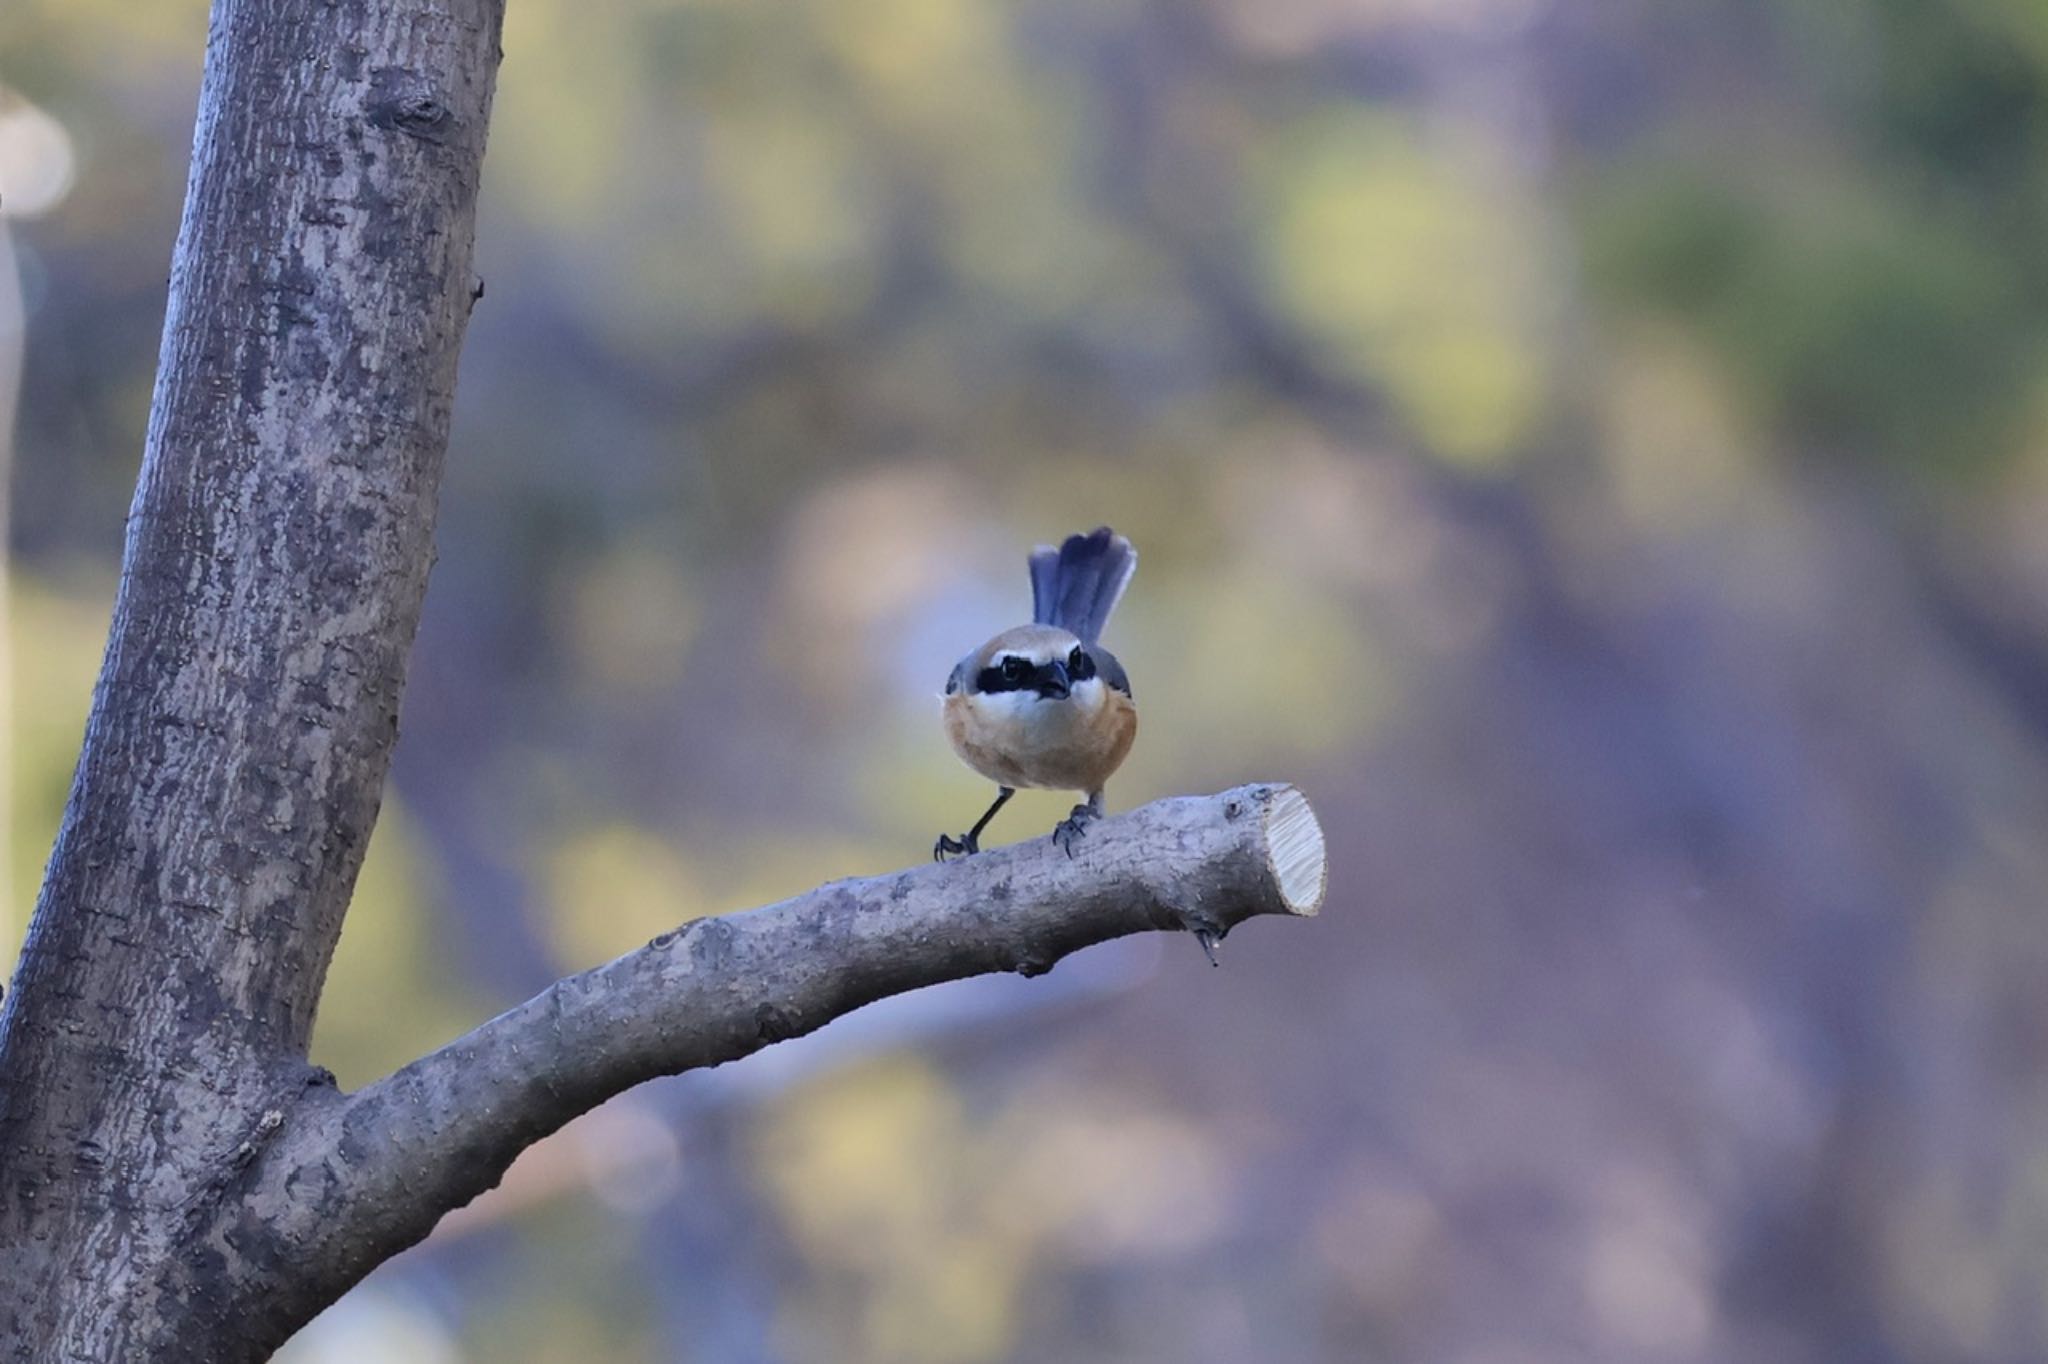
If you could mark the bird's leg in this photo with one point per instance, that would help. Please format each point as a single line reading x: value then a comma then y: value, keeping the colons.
x: 1076, y: 823
x: 970, y: 842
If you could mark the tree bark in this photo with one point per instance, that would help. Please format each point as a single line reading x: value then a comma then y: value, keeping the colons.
x: 176, y: 1182
x: 276, y: 556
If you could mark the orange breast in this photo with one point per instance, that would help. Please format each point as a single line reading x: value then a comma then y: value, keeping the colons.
x: 1060, y: 745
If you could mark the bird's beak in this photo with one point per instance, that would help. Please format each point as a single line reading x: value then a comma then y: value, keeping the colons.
x: 1052, y: 681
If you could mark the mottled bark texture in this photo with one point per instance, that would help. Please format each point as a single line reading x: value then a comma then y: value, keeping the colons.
x: 276, y: 555
x: 176, y: 1183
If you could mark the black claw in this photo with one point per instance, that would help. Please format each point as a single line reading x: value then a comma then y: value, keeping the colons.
x: 1073, y: 827
x: 970, y: 842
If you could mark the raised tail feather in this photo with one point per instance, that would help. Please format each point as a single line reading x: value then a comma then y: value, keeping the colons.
x: 1077, y: 585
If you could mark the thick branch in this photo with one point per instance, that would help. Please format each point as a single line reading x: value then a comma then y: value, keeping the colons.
x: 276, y: 557
x: 370, y: 1173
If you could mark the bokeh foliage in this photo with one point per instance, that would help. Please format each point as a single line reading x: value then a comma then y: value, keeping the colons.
x: 1598, y: 449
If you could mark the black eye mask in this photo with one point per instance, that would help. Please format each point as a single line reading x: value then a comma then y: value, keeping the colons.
x: 1052, y: 679
x: 1017, y: 674
x: 1012, y: 674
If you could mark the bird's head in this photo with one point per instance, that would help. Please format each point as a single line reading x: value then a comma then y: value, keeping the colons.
x: 1029, y: 663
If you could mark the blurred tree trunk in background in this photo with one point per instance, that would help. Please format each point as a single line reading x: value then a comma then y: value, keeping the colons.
x: 277, y: 553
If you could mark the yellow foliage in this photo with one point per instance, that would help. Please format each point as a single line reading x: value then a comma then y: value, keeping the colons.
x: 869, y: 1168
x: 121, y: 44
x: 612, y: 888
x: 389, y: 995
x: 560, y: 157
x: 923, y: 1223
x: 56, y: 631
x: 1679, y: 455
x: 790, y: 188
x: 632, y: 614
x: 1412, y: 275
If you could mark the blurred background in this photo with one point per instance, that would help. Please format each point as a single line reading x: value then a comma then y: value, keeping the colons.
x: 1598, y: 450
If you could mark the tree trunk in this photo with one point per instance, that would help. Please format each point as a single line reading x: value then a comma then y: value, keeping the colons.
x: 276, y: 557
x: 176, y: 1182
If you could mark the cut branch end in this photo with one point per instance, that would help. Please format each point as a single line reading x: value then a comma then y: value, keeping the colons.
x: 1295, y: 851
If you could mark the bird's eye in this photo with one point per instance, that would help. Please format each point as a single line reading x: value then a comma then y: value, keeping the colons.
x: 1014, y: 669
x: 1080, y: 666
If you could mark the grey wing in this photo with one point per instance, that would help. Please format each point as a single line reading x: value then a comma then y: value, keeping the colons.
x: 1111, y: 670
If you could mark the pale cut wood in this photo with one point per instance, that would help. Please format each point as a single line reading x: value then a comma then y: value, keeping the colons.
x: 1295, y: 840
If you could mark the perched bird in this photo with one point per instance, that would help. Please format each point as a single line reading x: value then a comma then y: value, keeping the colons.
x: 1045, y: 704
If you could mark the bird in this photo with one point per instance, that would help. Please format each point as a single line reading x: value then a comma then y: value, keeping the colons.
x: 1045, y: 705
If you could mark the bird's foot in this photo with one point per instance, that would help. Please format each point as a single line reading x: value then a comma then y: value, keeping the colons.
x: 947, y: 844
x: 1074, y: 827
